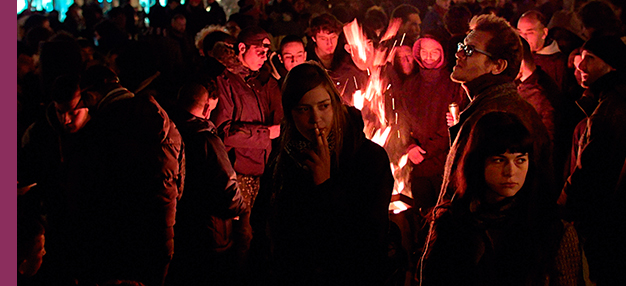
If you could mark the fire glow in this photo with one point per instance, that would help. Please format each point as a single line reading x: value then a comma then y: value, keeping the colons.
x: 372, y: 104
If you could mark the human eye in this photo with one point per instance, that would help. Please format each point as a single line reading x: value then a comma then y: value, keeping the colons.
x: 521, y: 159
x: 324, y: 106
x: 495, y: 159
x: 302, y: 109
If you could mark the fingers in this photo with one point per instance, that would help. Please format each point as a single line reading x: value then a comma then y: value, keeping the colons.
x: 318, y: 136
x: 322, y: 142
x: 449, y: 119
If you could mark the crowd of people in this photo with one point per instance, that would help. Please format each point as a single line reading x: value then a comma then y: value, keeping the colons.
x: 190, y: 146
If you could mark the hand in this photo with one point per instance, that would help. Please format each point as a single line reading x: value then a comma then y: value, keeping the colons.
x: 449, y: 119
x: 274, y: 131
x: 416, y: 154
x: 319, y: 159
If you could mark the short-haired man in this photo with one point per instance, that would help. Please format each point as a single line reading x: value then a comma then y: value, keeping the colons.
x: 292, y: 52
x: 488, y: 61
x: 546, y: 52
x: 204, y: 217
x: 411, y: 21
x: 594, y: 195
x: 249, y: 110
x: 324, y: 31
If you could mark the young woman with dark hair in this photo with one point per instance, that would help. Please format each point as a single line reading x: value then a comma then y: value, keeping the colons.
x: 501, y: 227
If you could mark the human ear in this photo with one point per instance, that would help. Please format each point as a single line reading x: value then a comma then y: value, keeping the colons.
x: 280, y: 58
x: 348, y: 48
x: 545, y: 33
x: 242, y: 48
x: 499, y: 66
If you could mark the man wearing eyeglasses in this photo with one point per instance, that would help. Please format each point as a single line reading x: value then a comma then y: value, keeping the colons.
x: 487, y: 63
x: 249, y: 109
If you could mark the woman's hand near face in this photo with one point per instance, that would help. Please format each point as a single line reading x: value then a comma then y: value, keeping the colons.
x: 319, y: 161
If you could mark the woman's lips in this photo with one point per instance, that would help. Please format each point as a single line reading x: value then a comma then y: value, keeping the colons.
x: 509, y: 185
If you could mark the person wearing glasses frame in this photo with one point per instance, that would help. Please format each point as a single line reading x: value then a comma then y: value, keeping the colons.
x: 487, y: 63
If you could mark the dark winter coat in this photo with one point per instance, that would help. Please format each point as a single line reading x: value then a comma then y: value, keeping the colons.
x: 212, y: 198
x: 596, y: 189
x: 554, y: 65
x: 332, y: 233
x: 124, y: 187
x: 538, y: 89
x: 475, y: 244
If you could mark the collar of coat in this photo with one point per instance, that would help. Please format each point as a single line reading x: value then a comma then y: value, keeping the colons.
x: 483, y: 82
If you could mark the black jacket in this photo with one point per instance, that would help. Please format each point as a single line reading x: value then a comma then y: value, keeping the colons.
x: 124, y: 185
x: 212, y: 197
x: 333, y: 233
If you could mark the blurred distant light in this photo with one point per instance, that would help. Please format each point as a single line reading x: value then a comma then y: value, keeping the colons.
x: 21, y: 5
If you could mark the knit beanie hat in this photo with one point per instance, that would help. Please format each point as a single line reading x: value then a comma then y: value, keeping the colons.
x: 610, y: 49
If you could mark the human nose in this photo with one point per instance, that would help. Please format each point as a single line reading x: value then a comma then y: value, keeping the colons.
x: 508, y: 170
x: 582, y: 65
x: 459, y: 53
x: 315, y: 116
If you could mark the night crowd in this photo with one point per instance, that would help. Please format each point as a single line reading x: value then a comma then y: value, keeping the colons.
x: 203, y: 145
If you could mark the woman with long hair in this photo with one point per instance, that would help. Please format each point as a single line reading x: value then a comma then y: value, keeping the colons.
x: 323, y: 204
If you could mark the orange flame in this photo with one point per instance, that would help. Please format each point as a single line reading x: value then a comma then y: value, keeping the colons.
x: 371, y: 101
x: 356, y: 38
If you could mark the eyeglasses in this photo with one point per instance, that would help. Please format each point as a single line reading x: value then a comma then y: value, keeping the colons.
x: 469, y: 50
